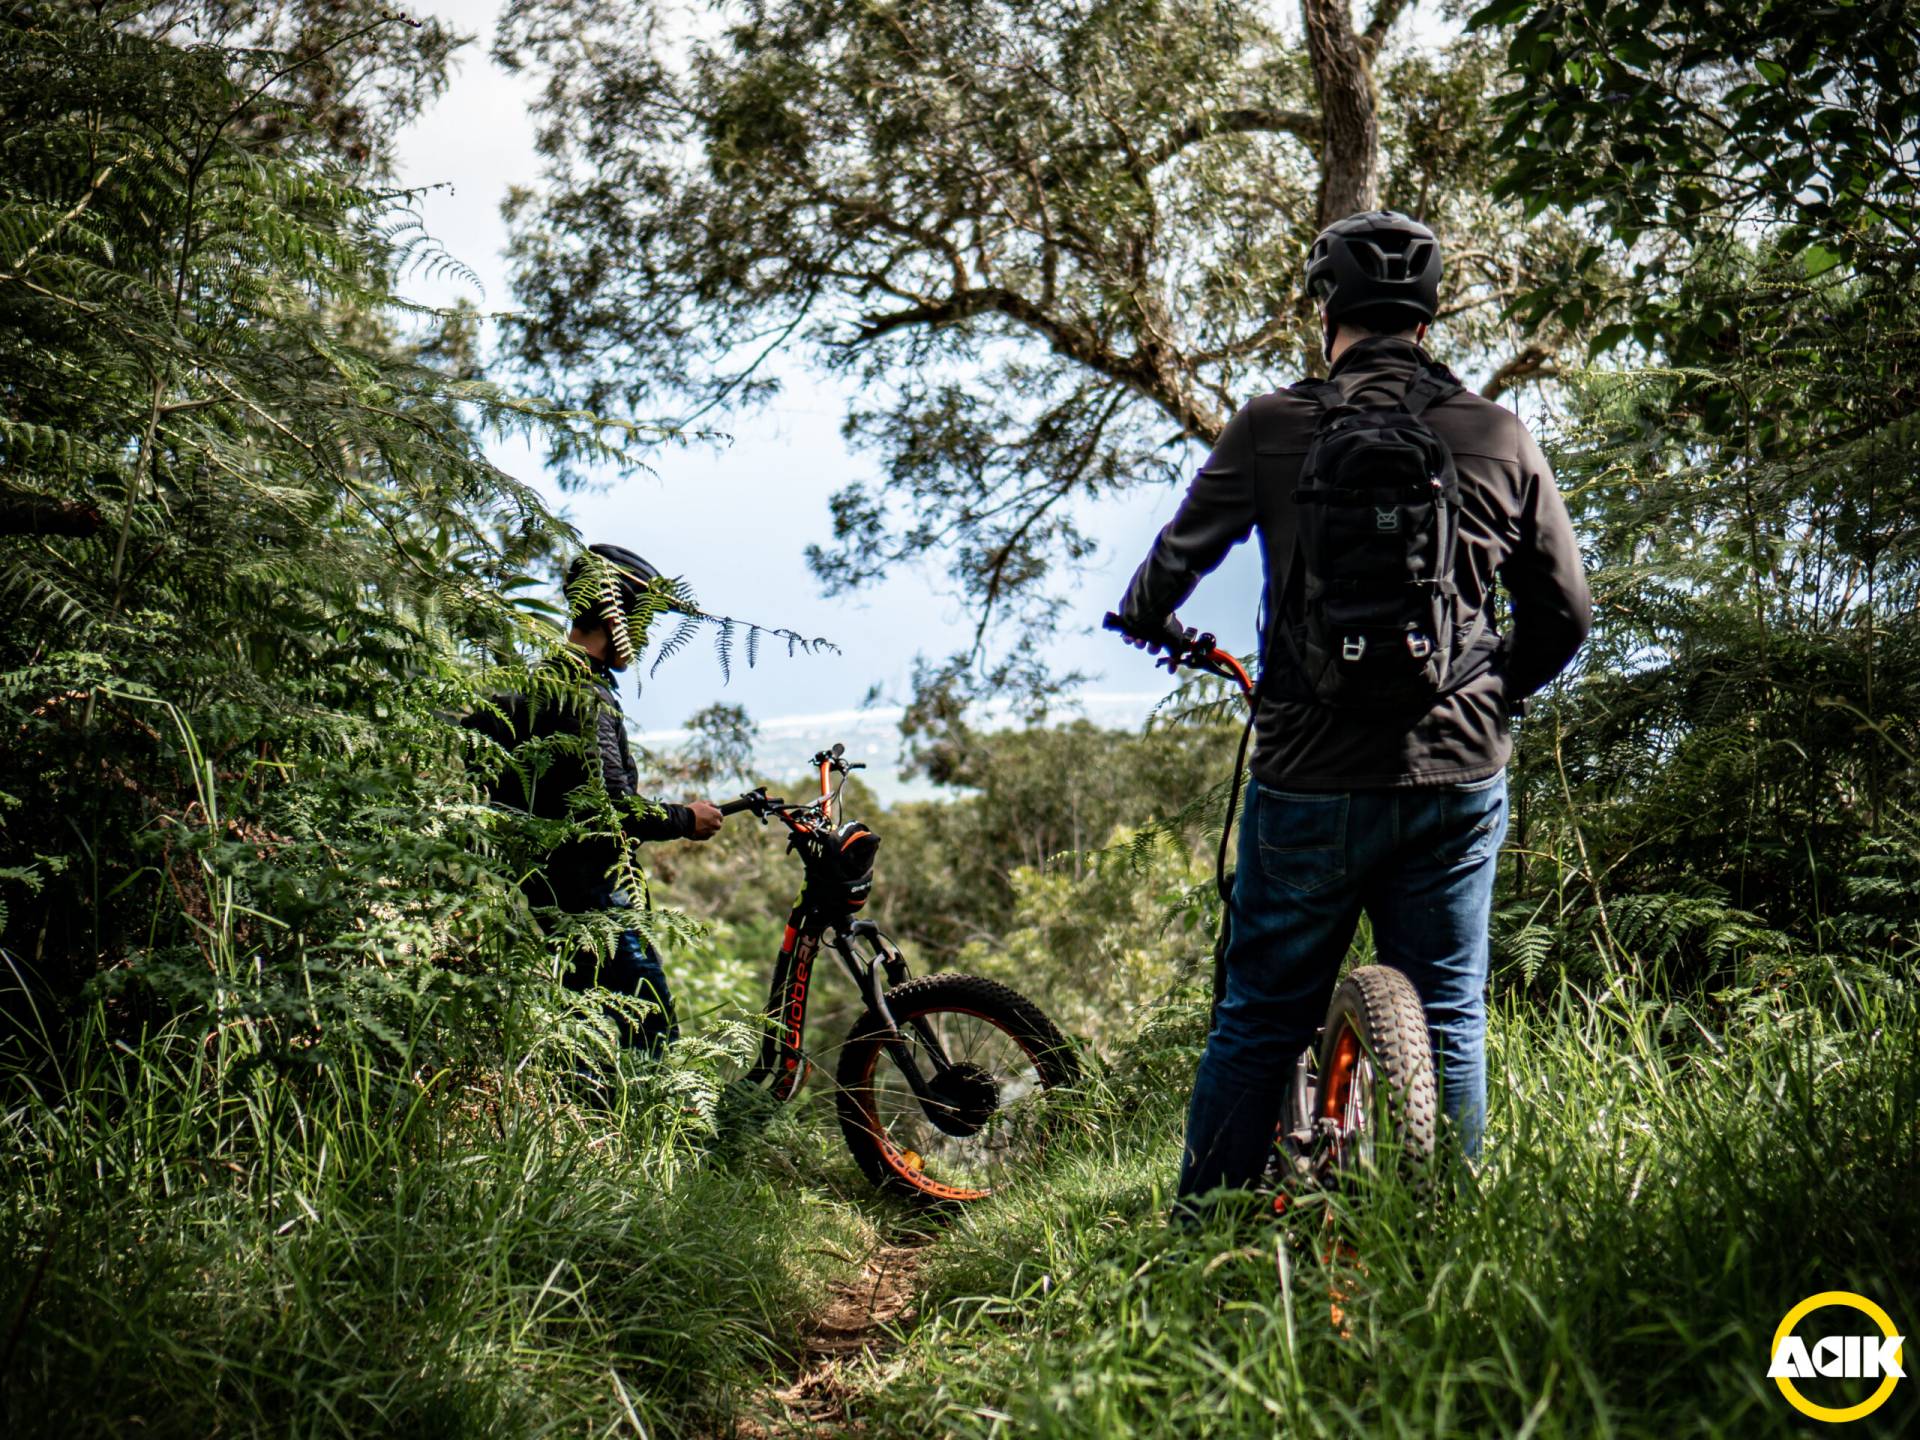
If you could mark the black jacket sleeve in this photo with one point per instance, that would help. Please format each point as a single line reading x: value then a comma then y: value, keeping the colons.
x: 1216, y: 515
x: 664, y: 821
x: 643, y: 819
x: 1544, y: 579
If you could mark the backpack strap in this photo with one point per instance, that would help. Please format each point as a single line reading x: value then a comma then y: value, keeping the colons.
x: 1325, y: 394
x: 1433, y: 384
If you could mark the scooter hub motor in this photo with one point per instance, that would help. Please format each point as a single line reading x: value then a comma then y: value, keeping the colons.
x: 961, y: 1099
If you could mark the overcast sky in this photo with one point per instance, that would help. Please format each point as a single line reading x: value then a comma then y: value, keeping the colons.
x: 735, y: 519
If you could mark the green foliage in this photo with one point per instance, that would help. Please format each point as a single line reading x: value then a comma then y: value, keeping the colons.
x: 1746, y: 714
x: 1744, y: 729
x: 352, y: 75
x: 721, y: 751
x: 1663, y: 1183
x: 1687, y: 123
x: 1100, y: 941
x: 1048, y: 241
x: 1020, y: 807
x: 258, y: 564
x: 474, y: 1255
x: 228, y: 689
x: 1040, y: 798
x: 288, y: 1134
x: 292, y: 1124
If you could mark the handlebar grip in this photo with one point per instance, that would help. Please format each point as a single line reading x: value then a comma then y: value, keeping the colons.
x: 734, y: 807
x: 1171, y: 636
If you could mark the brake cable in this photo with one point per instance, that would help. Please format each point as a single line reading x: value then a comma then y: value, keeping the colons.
x: 1202, y: 652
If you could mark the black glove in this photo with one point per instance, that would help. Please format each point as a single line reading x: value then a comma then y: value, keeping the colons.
x: 1169, y: 634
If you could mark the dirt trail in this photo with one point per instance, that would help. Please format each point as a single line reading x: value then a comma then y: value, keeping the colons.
x: 851, y: 1330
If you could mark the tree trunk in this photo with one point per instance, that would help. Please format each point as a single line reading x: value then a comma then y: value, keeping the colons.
x: 1349, y: 110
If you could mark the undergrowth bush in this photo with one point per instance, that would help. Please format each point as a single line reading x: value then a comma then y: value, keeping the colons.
x: 1663, y: 1182
x: 298, y: 1134
x: 466, y: 1255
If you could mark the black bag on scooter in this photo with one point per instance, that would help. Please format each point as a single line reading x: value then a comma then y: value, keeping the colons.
x: 839, y: 865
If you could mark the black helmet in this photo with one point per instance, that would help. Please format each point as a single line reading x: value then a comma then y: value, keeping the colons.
x: 591, y: 585
x: 1378, y: 259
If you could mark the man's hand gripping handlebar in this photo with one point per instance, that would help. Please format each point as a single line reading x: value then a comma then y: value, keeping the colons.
x: 1184, y: 646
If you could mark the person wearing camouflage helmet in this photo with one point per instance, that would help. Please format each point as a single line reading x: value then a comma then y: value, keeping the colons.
x: 575, y: 692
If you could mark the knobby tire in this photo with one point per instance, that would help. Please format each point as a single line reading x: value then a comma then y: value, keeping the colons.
x: 881, y: 1157
x: 1376, y: 1014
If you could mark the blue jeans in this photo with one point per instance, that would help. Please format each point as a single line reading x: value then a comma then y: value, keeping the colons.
x: 633, y: 969
x: 1421, y: 863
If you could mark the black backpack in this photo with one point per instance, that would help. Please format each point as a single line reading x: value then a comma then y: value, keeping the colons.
x: 1370, y: 611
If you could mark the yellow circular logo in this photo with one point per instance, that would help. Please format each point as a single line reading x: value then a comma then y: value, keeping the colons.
x: 1850, y: 1356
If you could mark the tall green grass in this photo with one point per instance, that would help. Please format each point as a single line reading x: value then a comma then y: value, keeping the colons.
x: 194, y: 1253
x: 201, y: 1250
x: 1663, y: 1182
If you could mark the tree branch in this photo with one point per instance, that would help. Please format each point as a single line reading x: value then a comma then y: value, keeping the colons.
x: 1385, y: 12
x: 1533, y: 363
x: 1254, y: 121
x: 1139, y: 372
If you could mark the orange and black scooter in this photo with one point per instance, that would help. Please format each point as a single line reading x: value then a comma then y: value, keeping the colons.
x: 942, y: 1084
x: 1371, y: 1074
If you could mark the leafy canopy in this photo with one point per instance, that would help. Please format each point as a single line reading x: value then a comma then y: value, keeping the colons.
x: 1743, y: 740
x: 1049, y: 245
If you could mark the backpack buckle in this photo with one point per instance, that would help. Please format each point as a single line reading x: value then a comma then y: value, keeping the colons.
x: 1418, y: 645
x: 1352, y: 647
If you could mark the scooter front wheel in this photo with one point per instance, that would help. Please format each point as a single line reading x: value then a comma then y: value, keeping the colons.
x: 1375, y: 1102
x: 986, y: 1056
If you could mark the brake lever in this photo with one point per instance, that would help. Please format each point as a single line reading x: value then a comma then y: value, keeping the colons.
x: 1192, y: 652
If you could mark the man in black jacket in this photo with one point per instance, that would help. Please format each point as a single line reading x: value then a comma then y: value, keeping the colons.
x: 572, y: 760
x: 1398, y: 811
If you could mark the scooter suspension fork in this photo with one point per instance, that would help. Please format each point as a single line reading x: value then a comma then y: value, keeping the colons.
x: 867, y: 976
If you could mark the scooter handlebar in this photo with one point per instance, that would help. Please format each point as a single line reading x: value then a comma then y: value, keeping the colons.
x: 1183, y: 647
x: 1172, y: 636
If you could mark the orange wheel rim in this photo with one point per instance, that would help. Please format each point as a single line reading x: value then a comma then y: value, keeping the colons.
x: 1347, y: 1097
x: 1340, y: 1072
x: 909, y: 1166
